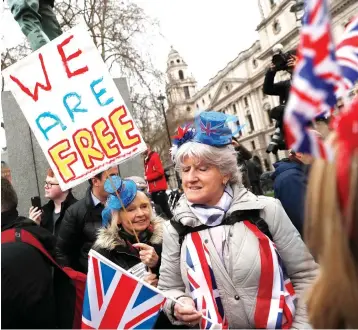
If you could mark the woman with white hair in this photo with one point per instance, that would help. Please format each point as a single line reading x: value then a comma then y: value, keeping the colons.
x: 229, y: 255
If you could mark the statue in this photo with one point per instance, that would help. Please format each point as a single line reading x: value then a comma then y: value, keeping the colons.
x: 37, y: 20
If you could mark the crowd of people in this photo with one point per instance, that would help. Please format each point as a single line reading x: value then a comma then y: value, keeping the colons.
x: 225, y: 252
x: 248, y: 243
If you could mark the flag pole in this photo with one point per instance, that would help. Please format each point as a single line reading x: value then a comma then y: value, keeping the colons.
x: 120, y: 200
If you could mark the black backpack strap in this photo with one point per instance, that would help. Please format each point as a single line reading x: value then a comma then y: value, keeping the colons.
x: 185, y: 230
x: 254, y: 217
x: 250, y: 215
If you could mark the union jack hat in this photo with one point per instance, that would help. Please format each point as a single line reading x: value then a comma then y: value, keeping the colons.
x: 212, y: 129
x: 126, y: 189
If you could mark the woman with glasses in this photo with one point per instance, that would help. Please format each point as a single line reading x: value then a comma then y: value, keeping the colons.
x: 51, y: 214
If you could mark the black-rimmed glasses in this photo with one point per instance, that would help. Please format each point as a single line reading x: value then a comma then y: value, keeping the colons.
x: 49, y: 184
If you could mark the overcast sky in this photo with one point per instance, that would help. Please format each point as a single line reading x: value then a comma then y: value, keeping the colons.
x: 207, y: 33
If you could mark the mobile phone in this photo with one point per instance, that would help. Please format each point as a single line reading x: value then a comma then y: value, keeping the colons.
x: 36, y: 202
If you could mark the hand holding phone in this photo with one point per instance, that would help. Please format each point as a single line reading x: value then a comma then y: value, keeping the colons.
x: 35, y: 211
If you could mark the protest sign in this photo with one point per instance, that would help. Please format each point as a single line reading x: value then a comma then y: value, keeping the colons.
x: 74, y: 108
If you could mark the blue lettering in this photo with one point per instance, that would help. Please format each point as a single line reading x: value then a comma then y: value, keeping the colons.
x: 100, y: 93
x: 49, y: 115
x: 72, y: 110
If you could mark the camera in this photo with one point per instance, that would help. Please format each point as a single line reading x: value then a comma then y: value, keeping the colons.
x: 277, y: 142
x: 280, y: 59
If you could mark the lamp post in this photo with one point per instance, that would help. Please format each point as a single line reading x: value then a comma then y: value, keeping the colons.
x: 298, y: 9
x: 161, y: 99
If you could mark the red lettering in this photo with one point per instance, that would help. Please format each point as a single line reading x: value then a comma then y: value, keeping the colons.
x: 35, y: 94
x: 66, y: 59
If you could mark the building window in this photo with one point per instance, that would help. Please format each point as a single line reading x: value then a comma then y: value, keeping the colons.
x: 172, y: 62
x: 269, y: 117
x: 272, y: 3
x: 263, y: 94
x: 254, y: 63
x: 188, y: 109
x: 234, y: 108
x: 267, y: 165
x: 249, y: 119
x: 276, y: 27
x: 238, y: 125
x: 181, y: 75
x: 277, y: 158
x: 197, y: 106
x: 209, y: 96
x: 186, y: 92
x: 246, y: 102
x: 178, y: 61
x: 203, y: 101
x: 253, y: 146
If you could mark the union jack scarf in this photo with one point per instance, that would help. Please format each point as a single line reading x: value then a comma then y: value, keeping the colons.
x: 275, y: 301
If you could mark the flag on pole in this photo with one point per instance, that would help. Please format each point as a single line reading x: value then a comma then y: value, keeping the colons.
x: 347, y: 56
x: 314, y: 82
x: 115, y: 299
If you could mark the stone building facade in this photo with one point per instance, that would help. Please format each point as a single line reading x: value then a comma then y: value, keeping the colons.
x: 237, y: 89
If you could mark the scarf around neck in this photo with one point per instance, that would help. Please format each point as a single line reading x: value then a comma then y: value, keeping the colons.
x: 213, y: 215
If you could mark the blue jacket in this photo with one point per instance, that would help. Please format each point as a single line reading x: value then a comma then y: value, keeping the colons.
x: 290, y: 182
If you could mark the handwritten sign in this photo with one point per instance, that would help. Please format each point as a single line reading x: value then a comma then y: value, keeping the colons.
x: 74, y: 108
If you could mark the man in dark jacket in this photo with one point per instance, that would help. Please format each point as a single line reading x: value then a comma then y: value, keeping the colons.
x: 243, y: 155
x: 254, y: 171
x: 79, y: 226
x: 37, y: 20
x: 290, y: 182
x: 27, y: 295
x: 157, y: 183
x: 52, y: 213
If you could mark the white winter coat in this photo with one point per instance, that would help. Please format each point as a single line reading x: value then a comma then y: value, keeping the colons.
x: 238, y: 281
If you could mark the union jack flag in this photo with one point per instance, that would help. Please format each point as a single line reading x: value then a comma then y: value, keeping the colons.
x: 347, y: 56
x: 114, y: 299
x: 207, y: 129
x: 276, y: 298
x: 314, y: 82
x: 203, y: 288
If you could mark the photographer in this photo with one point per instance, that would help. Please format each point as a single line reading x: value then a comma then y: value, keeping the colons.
x: 280, y: 62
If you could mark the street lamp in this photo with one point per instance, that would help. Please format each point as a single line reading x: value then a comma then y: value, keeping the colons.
x: 161, y: 99
x: 298, y: 9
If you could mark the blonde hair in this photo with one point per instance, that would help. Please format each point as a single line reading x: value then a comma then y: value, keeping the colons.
x: 333, y: 299
x: 116, y: 214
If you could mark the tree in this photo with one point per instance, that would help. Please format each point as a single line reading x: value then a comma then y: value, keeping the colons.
x: 12, y: 55
x: 118, y: 29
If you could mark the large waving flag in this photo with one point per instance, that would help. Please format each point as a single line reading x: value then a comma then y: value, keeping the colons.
x: 315, y: 80
x: 115, y: 299
x: 347, y: 56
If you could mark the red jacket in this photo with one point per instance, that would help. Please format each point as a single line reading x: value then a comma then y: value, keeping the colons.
x: 154, y: 173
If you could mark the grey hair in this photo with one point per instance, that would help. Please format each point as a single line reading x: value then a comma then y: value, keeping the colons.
x: 224, y: 158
